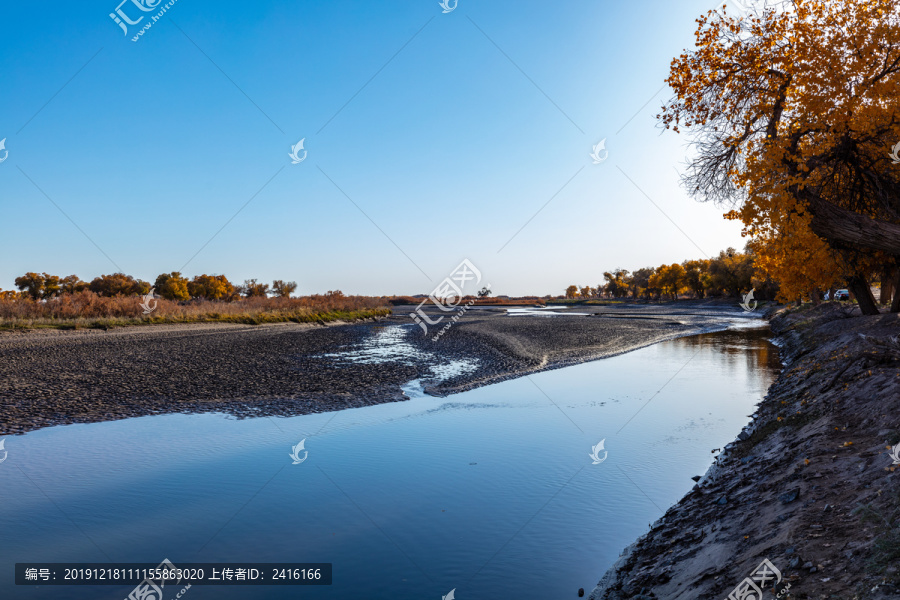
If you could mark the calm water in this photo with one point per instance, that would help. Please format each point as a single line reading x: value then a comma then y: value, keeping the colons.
x: 491, y: 492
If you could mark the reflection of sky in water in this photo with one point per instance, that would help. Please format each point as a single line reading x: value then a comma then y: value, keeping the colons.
x: 441, y: 372
x: 539, y: 311
x: 454, y: 368
x: 408, y: 500
x: 389, y: 345
x: 751, y: 322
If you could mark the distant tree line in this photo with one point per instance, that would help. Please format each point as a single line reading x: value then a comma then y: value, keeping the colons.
x: 171, y: 286
x: 731, y: 273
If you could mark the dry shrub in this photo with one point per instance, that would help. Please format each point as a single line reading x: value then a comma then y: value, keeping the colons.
x: 87, y: 308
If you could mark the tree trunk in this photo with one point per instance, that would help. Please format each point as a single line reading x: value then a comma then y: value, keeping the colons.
x: 887, y: 286
x: 840, y: 225
x: 860, y: 288
x: 895, y: 304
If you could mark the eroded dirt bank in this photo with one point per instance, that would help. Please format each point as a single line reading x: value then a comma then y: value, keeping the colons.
x: 809, y: 485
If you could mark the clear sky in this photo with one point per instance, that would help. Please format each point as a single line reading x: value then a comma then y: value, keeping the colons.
x: 431, y: 137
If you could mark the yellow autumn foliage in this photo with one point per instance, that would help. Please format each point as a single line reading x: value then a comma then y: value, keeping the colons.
x: 794, y: 111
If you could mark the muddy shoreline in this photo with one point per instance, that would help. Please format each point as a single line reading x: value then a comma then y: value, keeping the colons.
x: 57, y: 377
x: 808, y: 485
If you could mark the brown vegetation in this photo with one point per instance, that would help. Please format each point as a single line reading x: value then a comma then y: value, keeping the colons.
x: 35, y: 307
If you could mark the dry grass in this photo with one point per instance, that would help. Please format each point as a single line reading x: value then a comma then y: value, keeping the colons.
x: 87, y: 309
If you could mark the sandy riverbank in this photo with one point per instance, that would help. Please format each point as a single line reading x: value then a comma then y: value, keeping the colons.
x: 809, y: 484
x: 56, y: 377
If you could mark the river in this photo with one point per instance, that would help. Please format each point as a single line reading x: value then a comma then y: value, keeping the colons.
x: 491, y: 493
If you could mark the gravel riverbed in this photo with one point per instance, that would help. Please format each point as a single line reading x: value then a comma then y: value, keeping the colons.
x: 51, y: 377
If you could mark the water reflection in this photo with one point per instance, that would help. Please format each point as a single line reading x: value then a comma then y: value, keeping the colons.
x: 746, y: 349
x: 491, y: 492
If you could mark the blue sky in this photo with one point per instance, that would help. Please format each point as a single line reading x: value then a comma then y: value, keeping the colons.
x: 431, y: 138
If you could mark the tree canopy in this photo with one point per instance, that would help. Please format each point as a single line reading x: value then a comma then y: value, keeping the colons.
x: 211, y: 287
x: 172, y: 286
x: 283, y: 289
x: 118, y: 284
x: 794, y: 111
